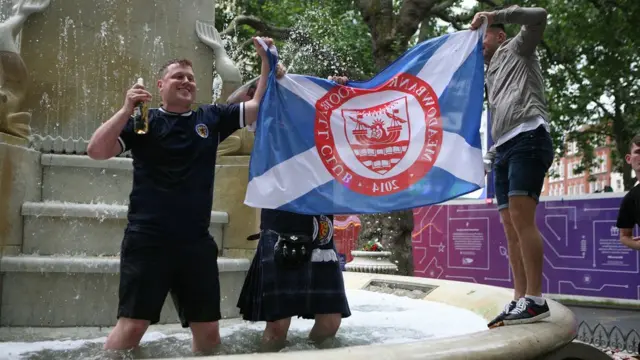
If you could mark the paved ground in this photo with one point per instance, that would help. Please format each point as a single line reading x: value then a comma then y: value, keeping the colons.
x: 625, y: 320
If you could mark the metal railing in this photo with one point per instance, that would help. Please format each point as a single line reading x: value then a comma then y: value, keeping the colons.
x: 613, y: 338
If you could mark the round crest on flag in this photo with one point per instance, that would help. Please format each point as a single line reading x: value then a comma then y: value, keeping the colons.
x: 381, y: 141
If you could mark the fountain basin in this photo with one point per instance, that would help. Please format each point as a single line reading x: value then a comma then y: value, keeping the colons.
x: 413, y: 327
x: 523, y: 342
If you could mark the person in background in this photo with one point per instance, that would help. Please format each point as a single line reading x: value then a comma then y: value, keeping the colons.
x: 523, y: 149
x: 629, y: 213
x: 167, y: 246
x: 295, y: 272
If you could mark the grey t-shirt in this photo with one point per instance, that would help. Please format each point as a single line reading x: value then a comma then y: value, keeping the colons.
x: 514, y: 79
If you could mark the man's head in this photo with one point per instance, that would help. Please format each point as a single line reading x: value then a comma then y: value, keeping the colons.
x: 493, y: 38
x: 177, y: 85
x: 633, y: 157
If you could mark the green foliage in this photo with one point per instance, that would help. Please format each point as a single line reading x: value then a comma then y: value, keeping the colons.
x: 328, y: 38
x: 590, y: 57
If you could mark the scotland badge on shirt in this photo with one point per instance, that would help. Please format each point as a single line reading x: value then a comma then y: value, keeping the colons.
x: 202, y: 130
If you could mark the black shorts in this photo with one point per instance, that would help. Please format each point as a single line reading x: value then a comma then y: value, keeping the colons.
x: 151, y: 267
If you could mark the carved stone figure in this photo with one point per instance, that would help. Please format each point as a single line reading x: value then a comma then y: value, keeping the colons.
x: 13, y: 72
x: 240, y: 142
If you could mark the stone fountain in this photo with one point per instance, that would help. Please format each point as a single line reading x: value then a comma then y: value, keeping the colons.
x: 63, y: 73
x: 62, y: 215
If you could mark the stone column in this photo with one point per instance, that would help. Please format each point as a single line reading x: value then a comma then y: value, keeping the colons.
x: 82, y: 56
x: 20, y: 181
x: 232, y: 176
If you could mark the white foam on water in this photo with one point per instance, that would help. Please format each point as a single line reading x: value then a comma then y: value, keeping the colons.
x: 376, y: 318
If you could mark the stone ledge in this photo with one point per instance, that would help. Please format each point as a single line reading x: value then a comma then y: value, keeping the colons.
x: 83, y: 161
x: 74, y: 264
x: 78, y: 210
x: 121, y: 163
x: 13, y: 140
x: 595, y: 301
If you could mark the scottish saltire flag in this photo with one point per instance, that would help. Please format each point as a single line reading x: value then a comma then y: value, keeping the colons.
x: 408, y: 137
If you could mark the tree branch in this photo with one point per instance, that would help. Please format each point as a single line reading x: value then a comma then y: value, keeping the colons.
x: 456, y: 20
x: 570, y: 69
x: 441, y: 11
x: 609, y: 4
x: 259, y: 25
x: 379, y: 17
x: 490, y: 3
x: 448, y: 18
x: 442, y: 6
x: 410, y: 16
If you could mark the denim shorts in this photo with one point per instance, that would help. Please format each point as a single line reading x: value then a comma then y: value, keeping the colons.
x: 521, y: 165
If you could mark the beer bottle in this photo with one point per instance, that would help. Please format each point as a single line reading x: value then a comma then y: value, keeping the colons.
x: 141, y: 115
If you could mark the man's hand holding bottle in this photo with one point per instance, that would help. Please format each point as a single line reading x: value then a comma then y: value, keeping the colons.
x: 136, y: 94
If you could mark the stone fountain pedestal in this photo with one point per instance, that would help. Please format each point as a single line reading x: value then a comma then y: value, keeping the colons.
x: 230, y: 187
x: 20, y: 182
x: 371, y: 262
x: 82, y: 56
x: 62, y: 216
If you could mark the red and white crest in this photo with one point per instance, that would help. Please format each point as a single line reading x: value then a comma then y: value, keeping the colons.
x: 379, y: 141
x: 379, y: 135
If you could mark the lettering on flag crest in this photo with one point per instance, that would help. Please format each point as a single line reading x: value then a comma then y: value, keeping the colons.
x: 380, y: 133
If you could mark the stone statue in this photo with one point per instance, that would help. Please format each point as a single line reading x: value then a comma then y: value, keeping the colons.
x: 393, y: 230
x: 13, y: 71
x: 240, y: 142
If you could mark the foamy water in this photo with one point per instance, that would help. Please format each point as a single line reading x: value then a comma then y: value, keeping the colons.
x: 376, y: 318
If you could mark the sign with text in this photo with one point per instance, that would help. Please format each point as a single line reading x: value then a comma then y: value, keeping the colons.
x: 582, y: 252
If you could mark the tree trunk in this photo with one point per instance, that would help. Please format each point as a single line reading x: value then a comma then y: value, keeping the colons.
x: 623, y: 139
x: 390, y: 32
x: 627, y: 179
x: 390, y: 35
x: 622, y: 146
x: 393, y: 231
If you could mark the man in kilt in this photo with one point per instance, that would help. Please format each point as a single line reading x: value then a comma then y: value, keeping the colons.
x: 295, y: 272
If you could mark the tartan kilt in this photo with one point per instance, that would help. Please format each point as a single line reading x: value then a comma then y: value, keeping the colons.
x: 272, y: 293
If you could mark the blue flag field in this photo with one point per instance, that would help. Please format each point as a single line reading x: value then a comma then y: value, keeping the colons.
x: 408, y: 137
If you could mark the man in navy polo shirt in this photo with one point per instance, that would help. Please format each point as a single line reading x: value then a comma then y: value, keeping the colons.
x: 167, y: 246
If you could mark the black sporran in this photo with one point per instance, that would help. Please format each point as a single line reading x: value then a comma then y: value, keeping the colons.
x: 292, y: 250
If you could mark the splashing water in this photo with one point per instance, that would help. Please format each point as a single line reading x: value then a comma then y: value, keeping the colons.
x: 376, y: 319
x: 301, y: 53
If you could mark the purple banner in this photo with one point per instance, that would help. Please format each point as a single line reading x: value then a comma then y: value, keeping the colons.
x: 582, y: 253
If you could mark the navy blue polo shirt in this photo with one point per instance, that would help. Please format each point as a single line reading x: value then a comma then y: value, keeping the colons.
x: 174, y: 167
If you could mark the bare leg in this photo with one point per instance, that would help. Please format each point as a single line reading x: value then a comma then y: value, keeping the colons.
x: 515, y: 256
x: 523, y: 210
x: 126, y: 334
x: 206, y: 336
x: 275, y: 335
x: 326, y: 326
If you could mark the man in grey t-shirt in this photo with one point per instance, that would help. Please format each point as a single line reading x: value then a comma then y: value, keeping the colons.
x: 523, y: 150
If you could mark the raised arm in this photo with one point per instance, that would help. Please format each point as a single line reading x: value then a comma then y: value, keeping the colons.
x: 533, y: 21
x: 252, y: 106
